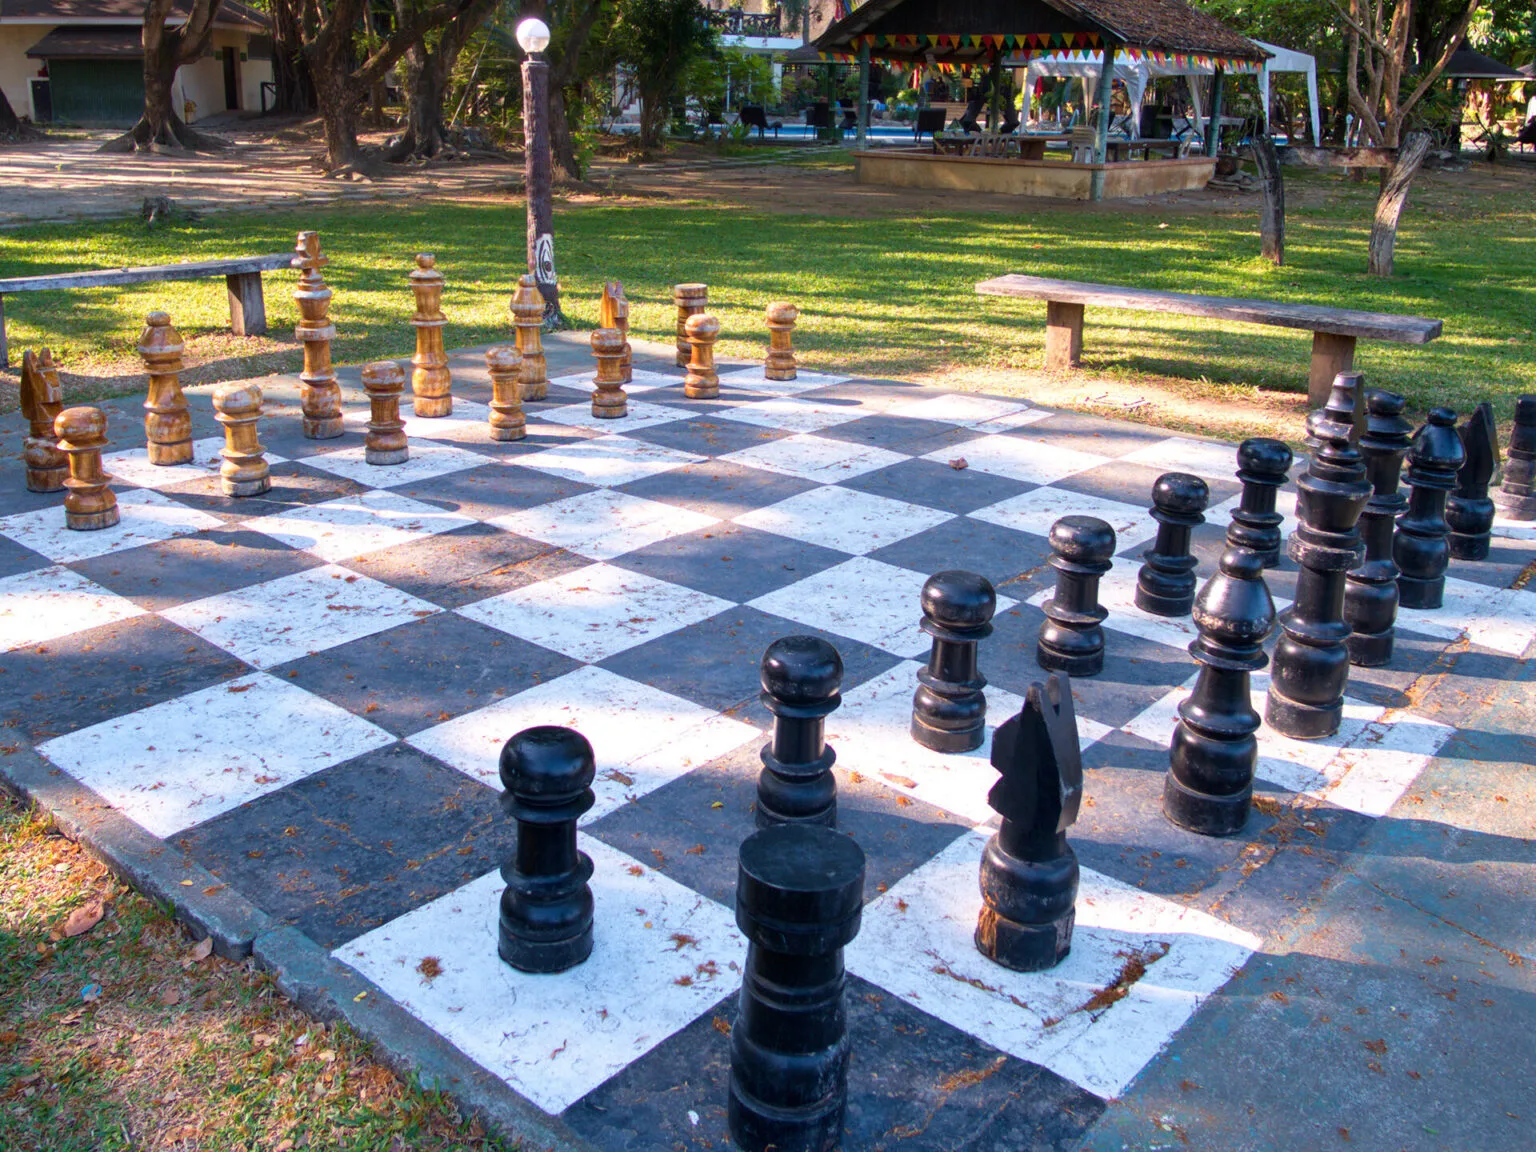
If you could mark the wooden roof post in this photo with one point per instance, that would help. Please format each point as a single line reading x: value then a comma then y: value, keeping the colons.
x: 1213, y: 125
x: 1101, y: 141
x: 863, y: 136
x: 995, y: 99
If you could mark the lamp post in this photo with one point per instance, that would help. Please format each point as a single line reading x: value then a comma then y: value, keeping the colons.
x: 533, y: 38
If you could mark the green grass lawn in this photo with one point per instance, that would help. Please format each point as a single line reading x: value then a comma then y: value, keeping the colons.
x: 890, y: 296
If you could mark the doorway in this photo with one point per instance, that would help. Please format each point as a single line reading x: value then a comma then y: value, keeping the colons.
x: 232, y: 79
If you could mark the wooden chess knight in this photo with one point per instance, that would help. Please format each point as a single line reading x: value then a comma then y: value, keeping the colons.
x: 1029, y: 872
x: 42, y: 399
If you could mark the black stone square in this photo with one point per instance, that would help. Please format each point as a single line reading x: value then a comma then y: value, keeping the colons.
x: 1014, y: 561
x: 186, y: 568
x: 345, y: 850
x: 718, y: 488
x: 707, y: 434
x: 936, y: 485
x: 731, y: 561
x: 420, y: 674
x: 492, y: 491
x: 106, y: 672
x: 882, y: 430
x: 716, y: 661
x: 14, y: 559
x: 294, y: 485
x: 472, y: 563
x: 914, y: 1083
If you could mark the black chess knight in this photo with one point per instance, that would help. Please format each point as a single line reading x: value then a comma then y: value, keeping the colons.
x: 1029, y: 872
x: 1370, y: 592
x: 801, y: 676
x: 1469, y: 509
x: 949, y: 709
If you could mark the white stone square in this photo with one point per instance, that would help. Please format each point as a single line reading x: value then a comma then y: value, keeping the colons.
x: 1052, y: 1017
x: 795, y: 415
x: 662, y: 954
x: 815, y: 458
x: 427, y: 462
x: 1020, y: 458
x: 176, y: 764
x: 51, y: 602
x: 1036, y: 510
x: 145, y: 517
x: 603, y: 524
x: 1204, y: 458
x: 972, y: 412
x: 637, y: 414
x: 752, y: 380
x: 469, y: 421
x: 1503, y: 619
x: 841, y: 518
x: 594, y: 612
x: 606, y: 460
x: 356, y: 525
x: 863, y: 599
x: 642, y: 737
x: 292, y: 616
x: 644, y: 380
x: 132, y: 466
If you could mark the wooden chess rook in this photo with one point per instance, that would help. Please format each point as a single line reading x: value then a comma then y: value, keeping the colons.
x: 319, y: 394
x: 167, y: 422
x: 431, y: 382
x: 608, y: 399
x: 702, y: 381
x: 691, y: 299
x: 384, y: 381
x: 780, y: 364
x: 243, y: 470
x: 528, y: 320
x: 88, y: 502
x: 41, y: 400
x: 613, y: 312
x: 506, y: 368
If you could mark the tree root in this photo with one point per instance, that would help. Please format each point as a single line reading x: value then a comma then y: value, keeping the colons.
x: 172, y: 138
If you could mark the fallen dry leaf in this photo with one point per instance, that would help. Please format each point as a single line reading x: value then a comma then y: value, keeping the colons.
x: 959, y: 464
x: 201, y: 950
x: 84, y: 918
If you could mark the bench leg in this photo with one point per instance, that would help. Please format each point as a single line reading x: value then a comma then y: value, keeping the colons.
x: 5, y: 354
x: 1063, y: 336
x: 1330, y: 355
x: 247, y: 306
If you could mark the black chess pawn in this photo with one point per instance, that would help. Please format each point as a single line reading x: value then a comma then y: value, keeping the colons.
x: 799, y: 897
x: 1370, y: 591
x: 1028, y: 870
x: 1517, y: 496
x: 949, y: 709
x: 1420, y: 547
x: 1165, y: 586
x: 1071, y: 639
x: 1213, y: 753
x: 1469, y: 510
x: 1262, y: 466
x: 801, y: 676
x: 1306, y: 689
x: 546, y: 910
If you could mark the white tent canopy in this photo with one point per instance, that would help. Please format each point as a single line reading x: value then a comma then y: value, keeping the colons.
x: 1137, y: 74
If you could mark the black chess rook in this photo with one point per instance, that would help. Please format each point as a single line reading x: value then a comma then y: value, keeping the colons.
x: 1420, y: 548
x: 1517, y: 495
x: 1029, y: 873
x: 1071, y: 638
x: 1214, y: 750
x: 1469, y: 509
x: 799, y: 897
x: 1370, y: 591
x: 546, y: 909
x: 801, y: 678
x: 1262, y: 467
x: 1306, y: 688
x: 1165, y: 586
x: 949, y: 708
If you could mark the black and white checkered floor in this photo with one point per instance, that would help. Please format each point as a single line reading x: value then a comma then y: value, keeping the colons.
x: 306, y: 693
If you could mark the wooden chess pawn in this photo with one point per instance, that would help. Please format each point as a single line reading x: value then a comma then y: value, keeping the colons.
x: 1517, y: 495
x: 799, y: 902
x: 613, y: 312
x: 546, y: 908
x: 41, y: 400
x: 949, y: 708
x: 608, y: 399
x: 243, y: 471
x: 431, y: 382
x: 801, y: 678
x: 1071, y: 636
x: 702, y: 381
x: 167, y: 422
x: 319, y: 394
x: 528, y: 320
x: 88, y: 502
x: 384, y: 381
x: 506, y: 368
x: 691, y: 299
x: 1469, y: 509
x: 780, y: 364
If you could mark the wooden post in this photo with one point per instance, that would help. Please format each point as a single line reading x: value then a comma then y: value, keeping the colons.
x: 863, y: 136
x: 538, y: 181
x: 1272, y: 211
x: 247, y: 306
x: 1064, y: 336
x: 995, y: 97
x: 1100, y: 149
x: 5, y: 352
x: 1330, y: 355
x: 1213, y: 125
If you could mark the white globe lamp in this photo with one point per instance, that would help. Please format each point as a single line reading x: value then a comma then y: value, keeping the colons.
x: 533, y: 35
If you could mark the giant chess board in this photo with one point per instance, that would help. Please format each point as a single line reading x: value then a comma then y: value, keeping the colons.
x: 305, y: 693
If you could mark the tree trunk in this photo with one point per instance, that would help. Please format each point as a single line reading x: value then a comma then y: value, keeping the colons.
x: 295, y: 95
x: 1393, y: 198
x: 426, y: 72
x: 338, y: 110
x: 166, y: 50
x: 1272, y: 212
x: 9, y: 124
x: 561, y: 143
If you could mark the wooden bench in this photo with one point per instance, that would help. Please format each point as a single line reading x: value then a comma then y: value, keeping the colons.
x: 1334, y: 330
x: 247, y: 306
